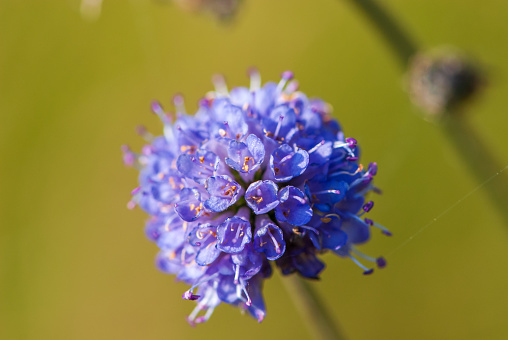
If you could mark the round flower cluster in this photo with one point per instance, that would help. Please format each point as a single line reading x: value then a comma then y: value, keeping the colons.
x: 256, y: 177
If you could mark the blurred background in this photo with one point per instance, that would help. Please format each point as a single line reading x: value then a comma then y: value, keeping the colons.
x: 74, y: 262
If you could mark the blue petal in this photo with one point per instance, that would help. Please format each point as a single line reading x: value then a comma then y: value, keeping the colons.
x: 268, y: 239
x: 204, y: 236
x: 246, y: 157
x: 331, y: 235
x: 287, y: 163
x: 199, y: 166
x: 261, y: 196
x: 356, y: 229
x: 189, y: 207
x: 233, y: 235
x: 281, y: 124
x: 293, y: 207
x: 223, y: 192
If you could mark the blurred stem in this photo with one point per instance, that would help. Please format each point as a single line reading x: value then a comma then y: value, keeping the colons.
x: 393, y: 33
x: 478, y: 159
x: 475, y: 155
x: 312, y: 309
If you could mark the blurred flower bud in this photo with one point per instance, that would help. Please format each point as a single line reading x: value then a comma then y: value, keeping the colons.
x: 441, y: 80
x: 221, y: 9
x: 90, y: 9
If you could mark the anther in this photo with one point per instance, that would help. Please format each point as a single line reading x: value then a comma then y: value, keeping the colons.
x: 351, y: 142
x: 368, y: 206
x: 188, y: 295
x: 380, y: 261
x: 372, y: 169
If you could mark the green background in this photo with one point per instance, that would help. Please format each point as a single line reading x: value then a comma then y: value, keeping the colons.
x: 74, y: 262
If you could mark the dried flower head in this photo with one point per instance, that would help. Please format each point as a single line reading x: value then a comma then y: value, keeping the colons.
x: 221, y: 9
x: 258, y: 176
x: 441, y: 80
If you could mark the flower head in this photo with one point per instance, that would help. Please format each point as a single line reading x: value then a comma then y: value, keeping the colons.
x: 442, y: 79
x: 221, y: 9
x: 259, y: 176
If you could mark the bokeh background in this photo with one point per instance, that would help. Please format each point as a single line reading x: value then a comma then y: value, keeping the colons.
x: 74, y: 262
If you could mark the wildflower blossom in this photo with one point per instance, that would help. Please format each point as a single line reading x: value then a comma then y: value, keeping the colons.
x: 259, y: 176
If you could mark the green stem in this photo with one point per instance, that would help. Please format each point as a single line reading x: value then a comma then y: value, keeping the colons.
x: 478, y: 159
x: 468, y: 145
x: 392, y: 32
x: 319, y: 322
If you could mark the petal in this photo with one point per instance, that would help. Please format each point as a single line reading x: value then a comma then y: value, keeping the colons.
x: 287, y: 163
x: 223, y: 191
x: 189, y: 207
x: 233, y: 235
x: 199, y: 166
x: 261, y: 196
x: 293, y: 207
x: 268, y: 238
x: 246, y: 157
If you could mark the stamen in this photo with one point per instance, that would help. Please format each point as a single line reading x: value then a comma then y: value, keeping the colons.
x: 249, y: 301
x: 238, y: 230
x: 131, y: 158
x: 159, y: 111
x: 379, y: 226
x: 372, y: 169
x: 205, y: 317
x: 349, y: 145
x: 179, y: 103
x: 292, y: 86
x: 131, y: 205
x: 219, y: 82
x: 328, y: 218
x: 366, y: 271
x: 287, y: 75
x: 255, y: 79
x: 275, y: 243
x: 351, y: 142
x: 380, y: 261
x: 188, y: 295
x: 306, y: 227
x: 366, y: 208
x: 142, y: 131
x: 277, y: 130
x: 317, y: 146
x: 331, y: 191
x: 237, y: 274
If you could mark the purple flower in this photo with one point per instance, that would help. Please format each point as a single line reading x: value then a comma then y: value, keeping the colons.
x: 259, y: 176
x: 261, y: 196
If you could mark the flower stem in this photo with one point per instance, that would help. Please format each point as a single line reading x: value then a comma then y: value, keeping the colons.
x: 462, y: 136
x: 320, y: 323
x: 393, y: 33
x: 480, y: 161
